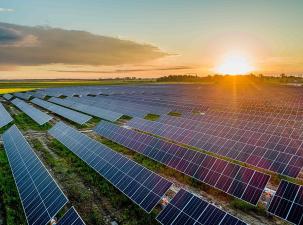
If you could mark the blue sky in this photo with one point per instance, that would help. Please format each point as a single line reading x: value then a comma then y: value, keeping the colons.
x: 193, y: 30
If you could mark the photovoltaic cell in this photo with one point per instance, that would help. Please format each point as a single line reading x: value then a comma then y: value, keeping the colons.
x: 71, y: 217
x: 141, y: 185
x: 23, y: 96
x: 8, y: 96
x: 69, y: 114
x: 5, y: 117
x: 187, y: 209
x: 238, y: 181
x: 287, y: 203
x: 41, y: 197
x: 37, y: 115
x: 91, y: 110
x: 280, y: 162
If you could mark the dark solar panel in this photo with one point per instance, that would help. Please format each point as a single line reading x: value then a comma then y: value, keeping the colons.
x: 5, y: 117
x: 188, y: 209
x: 287, y: 203
x: 238, y: 181
x: 141, y: 185
x: 253, y: 148
x: 91, y: 110
x: 69, y: 114
x: 41, y: 197
x: 37, y: 115
x: 71, y: 217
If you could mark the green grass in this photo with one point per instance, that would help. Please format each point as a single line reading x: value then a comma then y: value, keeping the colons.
x: 152, y: 117
x: 25, y: 123
x: 9, y: 194
x: 177, y: 114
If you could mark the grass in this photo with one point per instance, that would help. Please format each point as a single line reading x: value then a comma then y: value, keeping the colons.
x: 152, y: 117
x: 25, y: 123
x: 177, y: 114
x: 9, y: 194
x: 18, y: 86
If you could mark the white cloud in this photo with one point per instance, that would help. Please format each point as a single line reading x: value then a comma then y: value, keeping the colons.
x: 6, y: 10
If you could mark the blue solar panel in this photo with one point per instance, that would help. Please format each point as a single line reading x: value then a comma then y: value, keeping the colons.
x: 287, y: 203
x: 69, y: 114
x: 141, y: 185
x: 37, y: 115
x: 41, y: 197
x: 71, y: 217
x: 24, y: 96
x: 8, y: 96
x: 91, y: 110
x: 5, y: 117
x: 238, y: 181
x: 187, y: 209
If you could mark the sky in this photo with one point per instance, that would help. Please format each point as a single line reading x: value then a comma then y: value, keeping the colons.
x: 101, y: 39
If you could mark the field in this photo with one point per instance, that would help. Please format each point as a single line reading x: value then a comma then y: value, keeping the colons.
x: 97, y: 201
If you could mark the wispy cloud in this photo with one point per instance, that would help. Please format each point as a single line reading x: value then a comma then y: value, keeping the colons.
x: 32, y: 46
x: 6, y: 10
x: 128, y: 70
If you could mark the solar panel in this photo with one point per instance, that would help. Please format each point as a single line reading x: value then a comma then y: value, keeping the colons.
x: 71, y: 217
x: 236, y: 147
x: 40, y: 195
x: 188, y: 209
x: 287, y: 203
x: 91, y: 110
x: 37, y: 115
x: 238, y: 181
x: 141, y: 185
x: 23, y: 96
x: 8, y: 96
x: 69, y: 114
x: 5, y: 117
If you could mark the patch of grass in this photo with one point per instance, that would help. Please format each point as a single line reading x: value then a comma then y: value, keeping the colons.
x: 8, y: 191
x: 3, y: 129
x: 24, y: 122
x: 246, y: 207
x: 177, y: 114
x: 152, y: 117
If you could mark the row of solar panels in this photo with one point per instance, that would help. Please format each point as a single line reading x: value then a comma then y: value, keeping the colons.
x: 5, y: 117
x: 40, y: 195
x: 264, y: 157
x: 287, y: 203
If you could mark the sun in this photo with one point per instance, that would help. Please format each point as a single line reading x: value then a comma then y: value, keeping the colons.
x: 234, y: 64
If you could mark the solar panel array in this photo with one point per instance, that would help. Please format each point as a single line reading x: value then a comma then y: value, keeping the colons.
x: 126, y: 108
x: 23, y: 96
x: 141, y: 185
x: 287, y: 202
x: 37, y: 115
x: 91, y: 110
x: 188, y: 209
x: 8, y: 96
x: 240, y: 145
x: 41, y: 197
x: 238, y: 181
x: 61, y: 111
x: 71, y: 217
x: 5, y: 117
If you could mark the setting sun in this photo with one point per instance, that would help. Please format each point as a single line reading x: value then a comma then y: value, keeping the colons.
x: 235, y: 64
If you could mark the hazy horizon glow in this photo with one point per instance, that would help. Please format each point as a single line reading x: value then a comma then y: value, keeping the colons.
x: 149, y: 39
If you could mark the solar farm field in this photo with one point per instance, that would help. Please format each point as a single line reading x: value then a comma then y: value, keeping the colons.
x: 203, y: 154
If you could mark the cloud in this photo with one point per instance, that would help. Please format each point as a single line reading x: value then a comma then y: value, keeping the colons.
x: 6, y: 10
x: 128, y: 70
x: 31, y: 46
